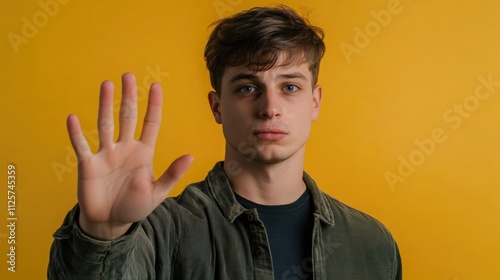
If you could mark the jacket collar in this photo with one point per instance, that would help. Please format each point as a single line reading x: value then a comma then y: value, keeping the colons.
x: 220, y: 188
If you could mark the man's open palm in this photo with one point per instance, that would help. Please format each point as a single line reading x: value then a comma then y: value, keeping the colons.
x: 116, y: 185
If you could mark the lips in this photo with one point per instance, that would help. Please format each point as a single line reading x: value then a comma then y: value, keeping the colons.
x: 270, y: 133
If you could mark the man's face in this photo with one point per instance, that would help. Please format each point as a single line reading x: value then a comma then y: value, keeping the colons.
x: 266, y: 116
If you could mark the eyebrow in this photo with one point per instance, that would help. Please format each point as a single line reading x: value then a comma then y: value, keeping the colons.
x: 293, y: 75
x: 245, y: 76
x: 242, y: 76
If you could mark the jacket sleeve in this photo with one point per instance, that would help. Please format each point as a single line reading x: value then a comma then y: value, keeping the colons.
x: 74, y: 255
x: 398, y: 267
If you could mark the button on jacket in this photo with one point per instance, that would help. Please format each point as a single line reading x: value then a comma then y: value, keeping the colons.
x: 204, y: 233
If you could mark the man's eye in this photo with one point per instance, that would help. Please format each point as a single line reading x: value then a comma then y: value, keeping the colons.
x: 247, y: 89
x: 291, y: 88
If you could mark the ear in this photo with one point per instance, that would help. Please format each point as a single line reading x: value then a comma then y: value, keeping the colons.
x: 317, y: 94
x: 214, y: 101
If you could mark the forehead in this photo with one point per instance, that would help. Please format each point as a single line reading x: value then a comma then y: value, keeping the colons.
x: 281, y: 70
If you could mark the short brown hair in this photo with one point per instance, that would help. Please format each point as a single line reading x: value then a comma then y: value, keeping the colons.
x: 258, y: 36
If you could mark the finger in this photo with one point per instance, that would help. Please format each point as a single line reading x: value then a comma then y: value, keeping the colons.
x: 105, y: 121
x: 152, y: 120
x: 128, y: 108
x: 80, y: 144
x: 172, y: 175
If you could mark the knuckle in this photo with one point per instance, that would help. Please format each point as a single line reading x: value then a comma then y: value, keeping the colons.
x: 82, y: 148
x: 152, y: 124
x: 106, y: 125
x: 127, y: 113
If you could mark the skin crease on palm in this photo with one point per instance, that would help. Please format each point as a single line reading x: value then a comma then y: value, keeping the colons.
x: 268, y: 112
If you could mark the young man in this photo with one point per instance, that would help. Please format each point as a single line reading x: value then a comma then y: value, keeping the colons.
x: 257, y: 215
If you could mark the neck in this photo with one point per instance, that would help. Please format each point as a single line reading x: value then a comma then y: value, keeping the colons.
x: 266, y: 183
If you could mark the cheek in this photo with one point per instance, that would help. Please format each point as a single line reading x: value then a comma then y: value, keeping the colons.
x: 299, y: 113
x: 305, y: 127
x: 233, y: 121
x: 301, y: 119
x: 235, y: 112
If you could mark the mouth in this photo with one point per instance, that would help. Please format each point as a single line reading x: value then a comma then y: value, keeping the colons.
x: 270, y: 133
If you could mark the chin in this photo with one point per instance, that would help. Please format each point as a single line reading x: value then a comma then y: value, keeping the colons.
x: 270, y: 158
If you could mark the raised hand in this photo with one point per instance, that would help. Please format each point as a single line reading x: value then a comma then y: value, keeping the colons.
x: 116, y: 185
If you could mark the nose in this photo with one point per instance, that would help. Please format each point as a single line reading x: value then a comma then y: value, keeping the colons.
x: 270, y: 105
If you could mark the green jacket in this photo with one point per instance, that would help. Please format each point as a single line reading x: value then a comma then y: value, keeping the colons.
x: 204, y: 233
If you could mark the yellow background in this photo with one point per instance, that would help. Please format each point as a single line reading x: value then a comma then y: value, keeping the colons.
x: 396, y: 88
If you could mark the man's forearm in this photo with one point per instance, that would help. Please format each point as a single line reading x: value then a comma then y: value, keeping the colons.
x: 75, y: 255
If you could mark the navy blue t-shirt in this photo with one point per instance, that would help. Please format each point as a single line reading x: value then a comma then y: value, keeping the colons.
x: 289, y: 229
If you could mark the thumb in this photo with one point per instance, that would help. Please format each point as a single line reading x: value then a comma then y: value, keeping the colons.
x: 171, y: 176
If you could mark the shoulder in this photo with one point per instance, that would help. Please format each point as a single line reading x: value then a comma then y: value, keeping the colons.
x: 358, y: 237
x: 354, y: 222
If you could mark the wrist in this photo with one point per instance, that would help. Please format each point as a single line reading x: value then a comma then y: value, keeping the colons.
x: 102, y: 231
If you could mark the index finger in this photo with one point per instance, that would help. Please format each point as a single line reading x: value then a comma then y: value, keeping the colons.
x: 152, y: 120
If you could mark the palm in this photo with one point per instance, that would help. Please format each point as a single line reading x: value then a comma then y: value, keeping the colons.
x: 122, y: 174
x: 116, y: 185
